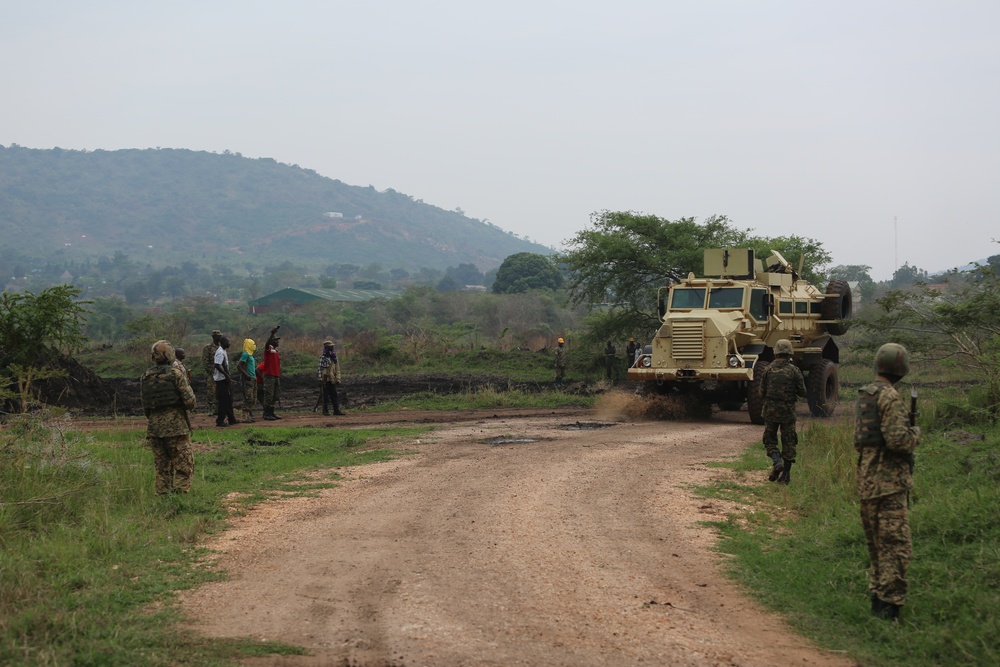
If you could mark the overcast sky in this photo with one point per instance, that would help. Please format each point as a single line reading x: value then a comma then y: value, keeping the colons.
x: 873, y: 127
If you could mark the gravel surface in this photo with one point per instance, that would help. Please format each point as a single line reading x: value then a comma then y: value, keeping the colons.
x: 560, y: 545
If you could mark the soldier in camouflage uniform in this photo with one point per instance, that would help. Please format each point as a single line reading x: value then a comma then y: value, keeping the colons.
x: 208, y: 365
x: 780, y: 386
x: 885, y: 441
x: 166, y: 398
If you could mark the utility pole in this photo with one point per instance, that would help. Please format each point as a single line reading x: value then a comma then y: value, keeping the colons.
x: 895, y: 243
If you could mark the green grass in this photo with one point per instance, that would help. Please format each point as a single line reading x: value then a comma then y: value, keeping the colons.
x: 90, y: 557
x: 800, y: 549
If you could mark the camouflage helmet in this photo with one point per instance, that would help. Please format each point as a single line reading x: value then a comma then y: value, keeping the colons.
x: 783, y: 347
x: 892, y: 358
x: 163, y: 353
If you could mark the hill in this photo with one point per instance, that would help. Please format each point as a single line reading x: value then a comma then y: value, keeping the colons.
x: 169, y: 206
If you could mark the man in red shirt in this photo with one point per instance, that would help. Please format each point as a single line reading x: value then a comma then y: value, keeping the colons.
x: 270, y: 371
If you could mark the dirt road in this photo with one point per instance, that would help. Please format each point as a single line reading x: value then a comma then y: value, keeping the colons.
x: 560, y: 546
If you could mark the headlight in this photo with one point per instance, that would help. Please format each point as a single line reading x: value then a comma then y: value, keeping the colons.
x: 647, y: 362
x: 734, y: 361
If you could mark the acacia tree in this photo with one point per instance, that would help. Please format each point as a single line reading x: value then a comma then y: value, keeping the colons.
x: 31, y: 325
x: 620, y: 260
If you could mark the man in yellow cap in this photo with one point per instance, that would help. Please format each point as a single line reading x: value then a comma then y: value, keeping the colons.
x: 560, y: 362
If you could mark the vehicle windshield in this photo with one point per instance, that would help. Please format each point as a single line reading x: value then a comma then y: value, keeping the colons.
x: 687, y: 297
x: 726, y: 297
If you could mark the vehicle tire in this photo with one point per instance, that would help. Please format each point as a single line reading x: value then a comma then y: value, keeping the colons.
x: 823, y: 389
x: 755, y: 403
x: 838, y: 307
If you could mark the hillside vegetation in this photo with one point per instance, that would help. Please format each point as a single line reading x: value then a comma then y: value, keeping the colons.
x: 171, y: 206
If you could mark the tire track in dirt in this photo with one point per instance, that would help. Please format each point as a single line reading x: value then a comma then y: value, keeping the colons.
x: 580, y: 548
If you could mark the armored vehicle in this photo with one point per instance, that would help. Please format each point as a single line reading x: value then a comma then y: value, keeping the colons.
x: 718, y: 332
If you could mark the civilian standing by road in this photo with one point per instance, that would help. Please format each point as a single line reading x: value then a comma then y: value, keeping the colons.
x: 271, y: 373
x: 180, y: 355
x: 630, y: 354
x: 329, y: 377
x: 247, y: 366
x: 166, y: 398
x: 609, y: 361
x: 885, y: 437
x: 560, y: 362
x: 208, y: 365
x: 223, y: 385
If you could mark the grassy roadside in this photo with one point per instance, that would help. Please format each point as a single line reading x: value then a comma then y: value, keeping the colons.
x: 485, y: 398
x: 800, y: 549
x: 90, y: 557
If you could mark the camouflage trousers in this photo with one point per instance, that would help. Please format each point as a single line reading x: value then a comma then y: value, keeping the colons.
x: 211, y: 400
x: 249, y: 395
x: 887, y: 531
x: 789, y: 438
x: 174, y: 463
x: 272, y: 392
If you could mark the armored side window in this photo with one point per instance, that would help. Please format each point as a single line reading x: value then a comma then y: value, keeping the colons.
x: 784, y: 307
x: 801, y: 307
x: 758, y: 304
x: 687, y: 297
x: 726, y: 297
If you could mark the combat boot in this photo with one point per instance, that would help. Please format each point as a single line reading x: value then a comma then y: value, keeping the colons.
x: 269, y: 415
x: 886, y: 610
x: 786, y: 475
x: 779, y: 467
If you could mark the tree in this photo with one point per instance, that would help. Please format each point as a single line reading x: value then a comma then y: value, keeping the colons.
x: 31, y: 325
x: 907, y: 275
x: 960, y: 327
x: 859, y: 273
x: 525, y: 271
x: 465, y: 274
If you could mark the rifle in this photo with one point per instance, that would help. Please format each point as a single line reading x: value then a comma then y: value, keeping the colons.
x: 911, y: 459
x: 319, y: 399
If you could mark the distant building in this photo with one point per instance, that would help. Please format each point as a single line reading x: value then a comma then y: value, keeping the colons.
x: 295, y: 297
x: 334, y: 214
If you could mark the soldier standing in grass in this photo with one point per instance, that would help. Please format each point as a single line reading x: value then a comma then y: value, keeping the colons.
x: 166, y: 398
x: 609, y: 361
x: 208, y: 365
x: 885, y: 440
x: 329, y: 377
x: 630, y: 354
x: 180, y: 355
x: 780, y: 386
x: 560, y: 362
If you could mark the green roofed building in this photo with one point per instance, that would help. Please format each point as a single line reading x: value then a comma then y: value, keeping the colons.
x: 293, y: 297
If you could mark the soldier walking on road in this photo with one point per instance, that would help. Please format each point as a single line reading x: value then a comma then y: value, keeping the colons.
x: 208, y: 365
x: 780, y: 386
x: 885, y: 437
x: 329, y: 377
x: 166, y: 398
x: 560, y: 362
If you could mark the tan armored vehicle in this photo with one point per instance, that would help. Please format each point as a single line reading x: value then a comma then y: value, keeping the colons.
x: 718, y: 332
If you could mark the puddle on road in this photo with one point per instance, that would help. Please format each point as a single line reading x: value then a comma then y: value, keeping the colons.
x: 584, y: 426
x: 507, y: 440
